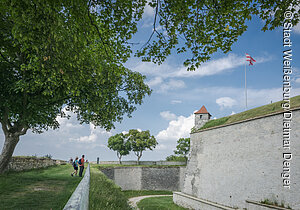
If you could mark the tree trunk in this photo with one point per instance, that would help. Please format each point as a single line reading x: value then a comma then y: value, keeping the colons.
x: 139, y: 157
x: 120, y: 157
x: 11, y: 140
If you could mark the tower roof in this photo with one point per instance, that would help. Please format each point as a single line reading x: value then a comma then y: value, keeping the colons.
x: 203, y: 110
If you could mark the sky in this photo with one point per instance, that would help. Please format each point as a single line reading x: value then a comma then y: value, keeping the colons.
x: 219, y: 84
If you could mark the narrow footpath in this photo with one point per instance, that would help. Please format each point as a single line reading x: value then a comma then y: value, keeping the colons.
x: 133, y: 201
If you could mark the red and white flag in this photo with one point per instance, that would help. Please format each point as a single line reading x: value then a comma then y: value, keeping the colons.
x: 250, y: 59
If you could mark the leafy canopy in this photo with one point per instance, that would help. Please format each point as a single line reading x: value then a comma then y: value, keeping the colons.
x: 141, y: 141
x: 56, y: 53
x: 202, y: 27
x: 119, y: 144
x: 183, y: 147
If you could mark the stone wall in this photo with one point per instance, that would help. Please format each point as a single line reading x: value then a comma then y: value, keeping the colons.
x: 244, y: 161
x: 27, y: 163
x: 80, y: 197
x: 147, y: 178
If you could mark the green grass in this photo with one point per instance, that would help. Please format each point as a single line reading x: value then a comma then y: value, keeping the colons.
x: 104, y: 193
x: 158, y: 203
x: 149, y: 166
x: 256, y: 112
x: 136, y: 193
x: 48, y: 188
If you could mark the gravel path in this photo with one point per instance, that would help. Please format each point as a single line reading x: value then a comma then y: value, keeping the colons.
x: 133, y: 201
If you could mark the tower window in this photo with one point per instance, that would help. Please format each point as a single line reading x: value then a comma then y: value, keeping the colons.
x: 200, y: 116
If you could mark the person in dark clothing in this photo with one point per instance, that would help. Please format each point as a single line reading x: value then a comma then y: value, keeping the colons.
x: 75, y: 165
x: 81, y: 165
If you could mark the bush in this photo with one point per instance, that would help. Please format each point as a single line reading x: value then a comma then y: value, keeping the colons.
x: 176, y: 158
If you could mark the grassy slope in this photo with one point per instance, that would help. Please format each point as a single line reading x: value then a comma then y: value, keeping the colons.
x: 136, y: 193
x: 104, y: 194
x: 256, y: 112
x: 37, y: 189
x: 159, y: 203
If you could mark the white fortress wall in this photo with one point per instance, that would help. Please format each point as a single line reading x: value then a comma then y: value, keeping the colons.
x: 244, y: 161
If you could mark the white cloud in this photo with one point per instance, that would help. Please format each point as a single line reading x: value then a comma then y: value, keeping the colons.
x: 297, y: 80
x: 148, y: 16
x: 167, y: 115
x: 179, y: 128
x: 161, y: 147
x: 256, y: 97
x: 125, y: 132
x: 172, y: 84
x: 212, y: 67
x: 154, y: 82
x: 297, y: 28
x: 148, y: 11
x: 176, y: 102
x: 224, y: 102
x: 232, y: 113
x: 95, y: 134
x: 162, y: 86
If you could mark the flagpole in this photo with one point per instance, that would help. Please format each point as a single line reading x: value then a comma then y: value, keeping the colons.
x: 245, y: 86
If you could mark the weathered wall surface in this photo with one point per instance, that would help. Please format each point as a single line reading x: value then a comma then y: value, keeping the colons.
x: 146, y: 178
x: 27, y: 163
x: 244, y: 161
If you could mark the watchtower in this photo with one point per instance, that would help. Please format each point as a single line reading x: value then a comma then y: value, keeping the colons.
x: 201, y: 117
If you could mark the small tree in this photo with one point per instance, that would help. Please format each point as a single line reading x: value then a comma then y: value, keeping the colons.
x: 119, y: 144
x: 183, y: 147
x: 175, y: 158
x: 141, y: 141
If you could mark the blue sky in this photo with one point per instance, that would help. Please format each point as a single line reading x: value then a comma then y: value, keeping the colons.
x: 168, y: 112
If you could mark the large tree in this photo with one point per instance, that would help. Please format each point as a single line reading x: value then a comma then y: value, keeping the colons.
x: 57, y: 54
x: 119, y: 144
x: 141, y: 141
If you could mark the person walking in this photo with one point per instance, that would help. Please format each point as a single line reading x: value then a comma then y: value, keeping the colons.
x: 81, y: 165
x: 75, y: 165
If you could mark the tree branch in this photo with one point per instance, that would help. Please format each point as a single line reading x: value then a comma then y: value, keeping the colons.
x: 97, y: 29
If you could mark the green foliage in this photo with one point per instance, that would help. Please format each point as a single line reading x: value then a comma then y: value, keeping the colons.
x: 161, y: 203
x: 176, y: 158
x: 144, y: 166
x: 48, y: 188
x: 205, y: 27
x: 182, y: 150
x: 183, y: 147
x: 137, y: 193
x: 104, y: 193
x: 252, y: 113
x: 67, y: 53
x: 49, y: 156
x: 119, y: 144
x: 275, y: 203
x: 141, y: 141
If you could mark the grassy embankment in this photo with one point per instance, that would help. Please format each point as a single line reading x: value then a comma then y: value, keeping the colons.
x: 252, y: 113
x: 137, y: 193
x: 48, y: 188
x: 161, y: 203
x: 105, y: 194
